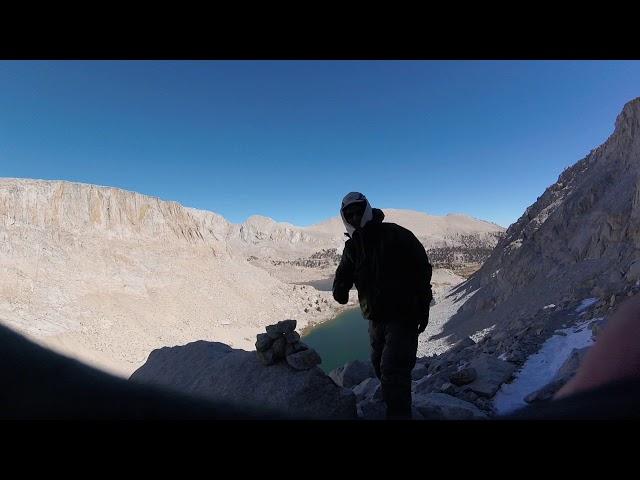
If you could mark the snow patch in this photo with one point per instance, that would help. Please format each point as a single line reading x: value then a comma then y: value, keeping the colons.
x: 541, y: 367
x: 586, y: 303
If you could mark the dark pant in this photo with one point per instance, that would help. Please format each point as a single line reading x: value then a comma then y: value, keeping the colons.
x: 393, y: 353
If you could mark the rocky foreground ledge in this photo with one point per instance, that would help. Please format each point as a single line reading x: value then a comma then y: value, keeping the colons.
x: 459, y: 384
x: 283, y: 374
x: 218, y: 372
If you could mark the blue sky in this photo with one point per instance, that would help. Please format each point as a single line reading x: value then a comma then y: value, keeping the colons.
x: 287, y: 139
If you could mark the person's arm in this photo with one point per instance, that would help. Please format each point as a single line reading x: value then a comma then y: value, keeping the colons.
x: 423, y: 282
x: 343, y: 280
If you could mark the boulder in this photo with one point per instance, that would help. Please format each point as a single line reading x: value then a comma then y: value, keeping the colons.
x: 263, y: 342
x: 273, y: 332
x: 366, y: 389
x: 292, y: 337
x: 449, y: 388
x: 425, y: 360
x: 419, y: 371
x: 304, y: 359
x: 266, y: 357
x: 461, y: 344
x: 440, y: 406
x: 430, y: 383
x: 545, y: 393
x: 484, y: 404
x: 491, y: 374
x: 467, y: 395
x: 286, y: 326
x: 291, y: 348
x: 572, y: 363
x: 372, y: 410
x: 596, y: 327
x: 464, y: 376
x: 439, y: 364
x: 516, y: 356
x: 278, y: 348
x: 634, y: 271
x: 216, y: 371
x: 352, y: 373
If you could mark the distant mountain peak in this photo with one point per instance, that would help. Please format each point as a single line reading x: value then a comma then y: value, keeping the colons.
x: 628, y: 121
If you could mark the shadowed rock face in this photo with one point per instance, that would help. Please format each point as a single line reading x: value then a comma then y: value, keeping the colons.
x: 218, y: 372
x: 38, y: 384
x: 581, y: 235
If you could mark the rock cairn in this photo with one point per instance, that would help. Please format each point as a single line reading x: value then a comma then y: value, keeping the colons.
x: 282, y: 343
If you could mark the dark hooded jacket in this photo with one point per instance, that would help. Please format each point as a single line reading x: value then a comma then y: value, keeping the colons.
x: 390, y: 269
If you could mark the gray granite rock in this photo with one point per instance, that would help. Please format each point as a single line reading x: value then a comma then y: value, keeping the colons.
x: 372, y: 410
x: 491, y: 374
x: 460, y: 345
x: 216, y: 371
x: 633, y: 273
x: 366, y: 389
x: 516, y: 356
x: 467, y: 395
x: 596, y: 327
x: 440, y: 406
x: 352, y: 373
x: 273, y: 331
x: 292, y: 337
x: 419, y: 371
x: 266, y: 357
x: 263, y: 342
x: 464, y: 376
x: 572, y: 363
x: 295, y: 347
x: 278, y: 347
x: 484, y: 404
x: 439, y: 364
x: 286, y: 326
x: 545, y: 393
x: 304, y: 360
x: 448, y: 388
x: 430, y: 383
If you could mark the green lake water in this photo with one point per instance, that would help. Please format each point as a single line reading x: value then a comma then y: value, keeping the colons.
x: 340, y: 340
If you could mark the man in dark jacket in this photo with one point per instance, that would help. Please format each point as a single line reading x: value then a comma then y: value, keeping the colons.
x: 392, y: 274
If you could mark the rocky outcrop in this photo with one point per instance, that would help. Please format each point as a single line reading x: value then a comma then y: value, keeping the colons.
x: 463, y: 377
x: 463, y: 254
x: 282, y: 343
x: 218, y: 372
x: 57, y: 207
x: 368, y: 389
x: 580, y: 238
x: 440, y: 406
x: 352, y: 373
x: 491, y: 374
x: 458, y: 384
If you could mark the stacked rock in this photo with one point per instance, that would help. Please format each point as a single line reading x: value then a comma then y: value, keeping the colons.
x: 282, y: 342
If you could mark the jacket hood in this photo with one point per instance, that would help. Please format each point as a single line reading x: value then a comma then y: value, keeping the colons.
x: 370, y: 214
x: 378, y: 216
